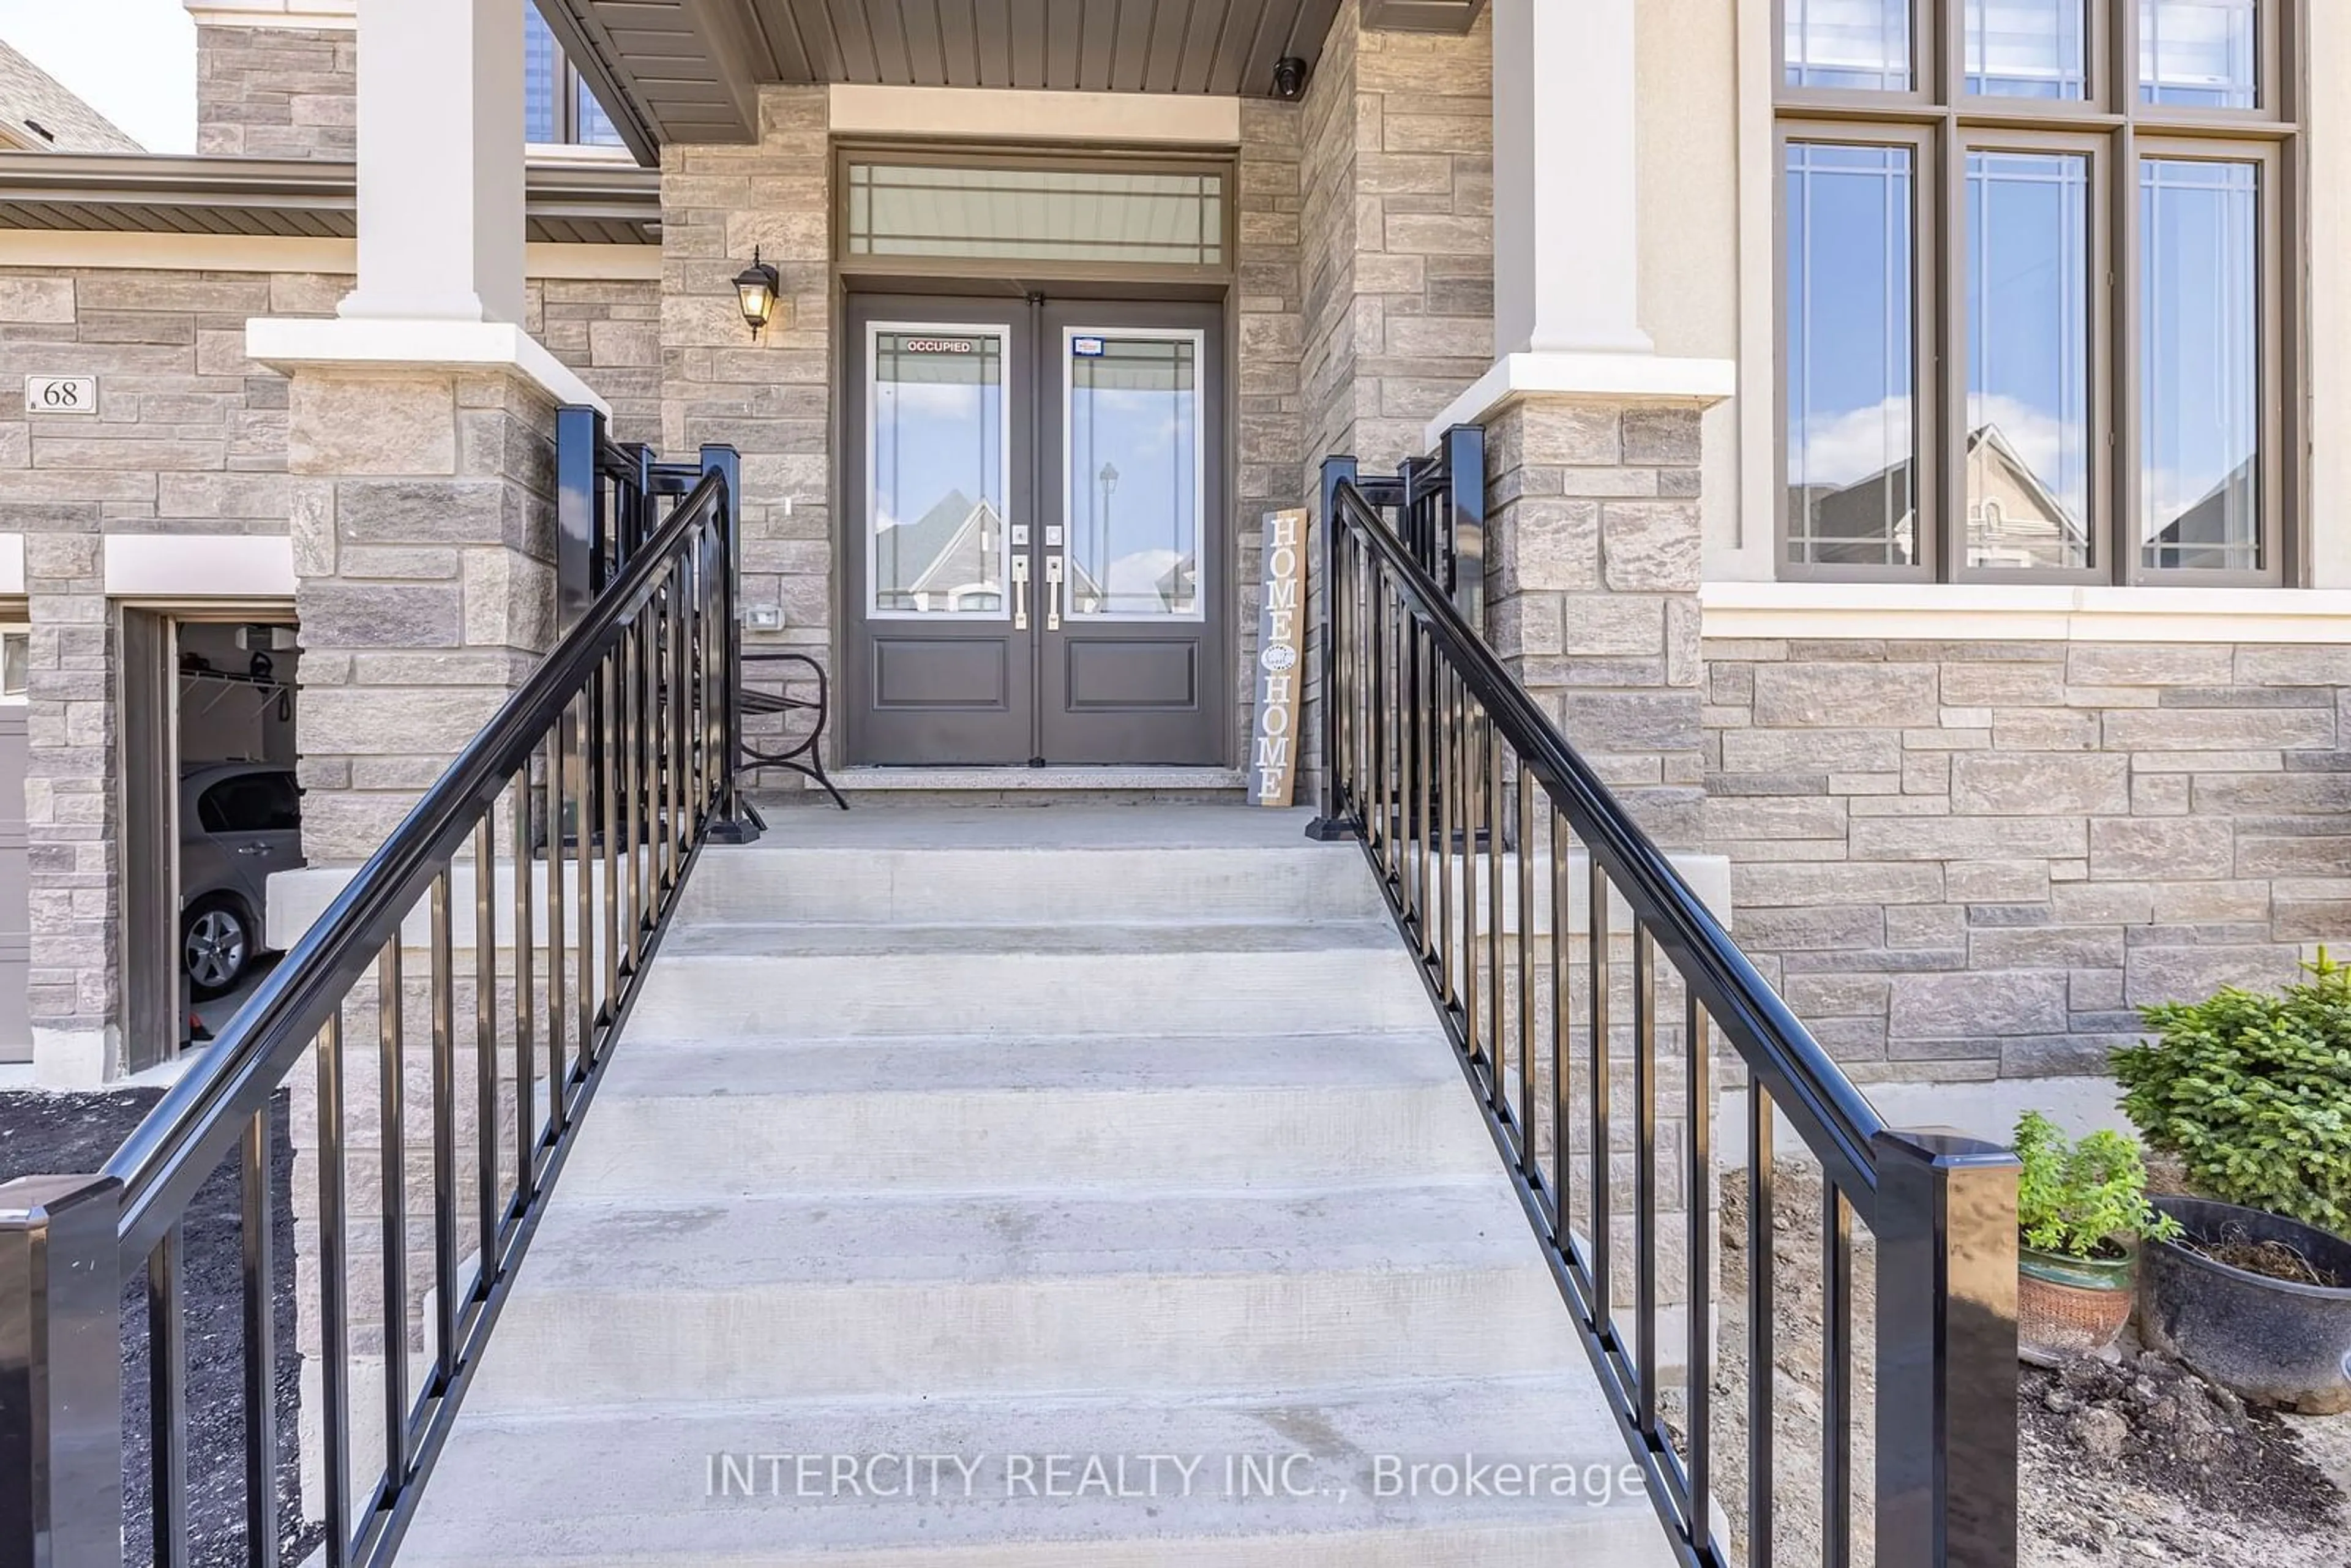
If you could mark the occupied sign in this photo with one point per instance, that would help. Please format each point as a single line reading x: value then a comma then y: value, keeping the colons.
x: 1280, y: 636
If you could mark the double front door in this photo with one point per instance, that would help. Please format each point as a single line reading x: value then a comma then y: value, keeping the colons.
x: 1035, y: 532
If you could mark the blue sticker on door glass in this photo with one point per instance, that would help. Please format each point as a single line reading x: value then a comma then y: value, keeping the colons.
x: 1086, y: 348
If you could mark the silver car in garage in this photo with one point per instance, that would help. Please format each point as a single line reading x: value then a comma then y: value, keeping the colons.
x: 239, y: 821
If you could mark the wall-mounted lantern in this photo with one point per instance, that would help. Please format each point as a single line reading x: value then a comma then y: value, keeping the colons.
x: 755, y: 289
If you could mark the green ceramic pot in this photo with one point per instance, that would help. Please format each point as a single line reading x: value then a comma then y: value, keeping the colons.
x: 2072, y: 1306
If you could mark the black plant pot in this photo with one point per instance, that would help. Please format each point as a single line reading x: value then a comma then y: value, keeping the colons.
x: 2269, y: 1340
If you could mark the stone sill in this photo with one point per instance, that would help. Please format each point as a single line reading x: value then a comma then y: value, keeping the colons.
x: 1982, y: 611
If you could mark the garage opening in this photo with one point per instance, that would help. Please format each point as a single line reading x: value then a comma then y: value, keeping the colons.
x: 211, y: 811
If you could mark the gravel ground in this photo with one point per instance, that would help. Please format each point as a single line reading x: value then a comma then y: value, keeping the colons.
x: 54, y: 1133
x: 2136, y: 1463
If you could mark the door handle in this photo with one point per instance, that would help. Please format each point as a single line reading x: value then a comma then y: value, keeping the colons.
x: 252, y: 849
x: 1020, y: 593
x: 1053, y: 593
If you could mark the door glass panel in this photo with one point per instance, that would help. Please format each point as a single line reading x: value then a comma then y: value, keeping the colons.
x: 2028, y: 452
x: 2199, y: 342
x: 1134, y: 475
x: 939, y: 445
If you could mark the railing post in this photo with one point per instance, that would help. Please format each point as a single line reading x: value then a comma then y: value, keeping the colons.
x: 578, y: 441
x: 1947, y: 1377
x: 1465, y: 507
x: 1329, y: 825
x: 61, y: 1374
x: 738, y: 823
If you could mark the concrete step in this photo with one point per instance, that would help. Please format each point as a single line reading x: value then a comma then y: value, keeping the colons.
x: 839, y: 981
x: 1346, y: 1478
x: 689, y: 1120
x: 892, y: 1295
x: 1016, y: 884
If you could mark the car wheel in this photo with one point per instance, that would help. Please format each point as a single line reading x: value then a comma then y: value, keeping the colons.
x: 215, y: 946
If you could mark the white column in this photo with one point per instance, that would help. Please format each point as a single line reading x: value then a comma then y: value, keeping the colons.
x: 440, y: 160
x: 1566, y: 229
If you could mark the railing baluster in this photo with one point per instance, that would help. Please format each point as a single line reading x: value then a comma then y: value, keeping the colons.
x: 1604, y: 1151
x: 526, y: 1070
x: 488, y: 1187
x: 1562, y: 936
x: 584, y: 911
x: 334, y: 1296
x: 1762, y: 1329
x: 443, y: 965
x: 1447, y: 802
x: 167, y: 1393
x: 1529, y: 1157
x: 640, y: 782
x: 559, y: 1106
x: 1472, y: 889
x: 1836, y: 1379
x: 1645, y: 1169
x: 1490, y: 788
x: 1698, y: 1107
x: 257, y: 1247
x: 392, y: 1153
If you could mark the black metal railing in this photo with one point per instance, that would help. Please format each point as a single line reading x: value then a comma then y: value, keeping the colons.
x: 1436, y: 508
x: 553, y: 849
x: 1584, y: 982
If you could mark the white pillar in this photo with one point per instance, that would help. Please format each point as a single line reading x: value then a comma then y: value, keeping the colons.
x: 1566, y: 228
x: 440, y: 160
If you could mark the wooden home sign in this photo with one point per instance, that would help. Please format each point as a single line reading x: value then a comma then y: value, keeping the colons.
x: 1280, y: 661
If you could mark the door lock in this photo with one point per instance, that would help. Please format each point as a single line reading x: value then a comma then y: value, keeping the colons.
x: 1020, y: 593
x: 1053, y: 593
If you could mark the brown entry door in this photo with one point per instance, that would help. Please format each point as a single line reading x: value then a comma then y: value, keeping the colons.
x: 1036, y: 533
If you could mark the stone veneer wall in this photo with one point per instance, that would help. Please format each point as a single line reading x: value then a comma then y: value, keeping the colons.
x: 771, y: 400
x: 1970, y: 860
x: 1396, y: 255
x: 277, y: 92
x: 190, y: 438
x: 1267, y: 336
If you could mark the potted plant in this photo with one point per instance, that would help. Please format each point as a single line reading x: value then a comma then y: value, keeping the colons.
x: 2252, y: 1092
x: 2081, y: 1210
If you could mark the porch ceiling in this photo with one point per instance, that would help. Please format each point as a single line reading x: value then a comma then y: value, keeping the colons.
x: 689, y: 70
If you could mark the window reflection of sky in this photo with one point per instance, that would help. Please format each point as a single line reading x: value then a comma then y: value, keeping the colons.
x: 1850, y: 426
x: 2028, y: 359
x: 937, y: 502
x: 1134, y: 481
x: 2199, y: 335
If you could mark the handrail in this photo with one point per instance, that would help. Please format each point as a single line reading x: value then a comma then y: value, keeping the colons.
x: 177, y: 1144
x: 1805, y: 1081
x: 585, y: 799
x: 1469, y: 803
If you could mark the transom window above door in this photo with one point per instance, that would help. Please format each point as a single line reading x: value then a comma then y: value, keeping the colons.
x: 1103, y: 216
x: 2035, y: 314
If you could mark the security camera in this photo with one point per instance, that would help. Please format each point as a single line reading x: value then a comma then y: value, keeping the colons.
x: 1290, y: 79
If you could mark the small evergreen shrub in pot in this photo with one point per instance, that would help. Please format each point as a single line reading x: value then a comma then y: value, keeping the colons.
x: 2081, y: 1210
x: 2252, y: 1092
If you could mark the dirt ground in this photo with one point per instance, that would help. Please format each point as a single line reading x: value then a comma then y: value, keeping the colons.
x: 67, y: 1134
x: 2137, y: 1462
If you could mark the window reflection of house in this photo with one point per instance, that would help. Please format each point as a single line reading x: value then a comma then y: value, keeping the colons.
x: 950, y: 559
x: 2215, y: 534
x: 2013, y: 519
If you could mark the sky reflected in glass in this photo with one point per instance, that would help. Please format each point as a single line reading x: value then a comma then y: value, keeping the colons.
x: 2028, y: 450
x: 2027, y: 48
x: 1135, y: 476
x: 2200, y: 471
x: 1852, y: 433
x: 1857, y: 44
